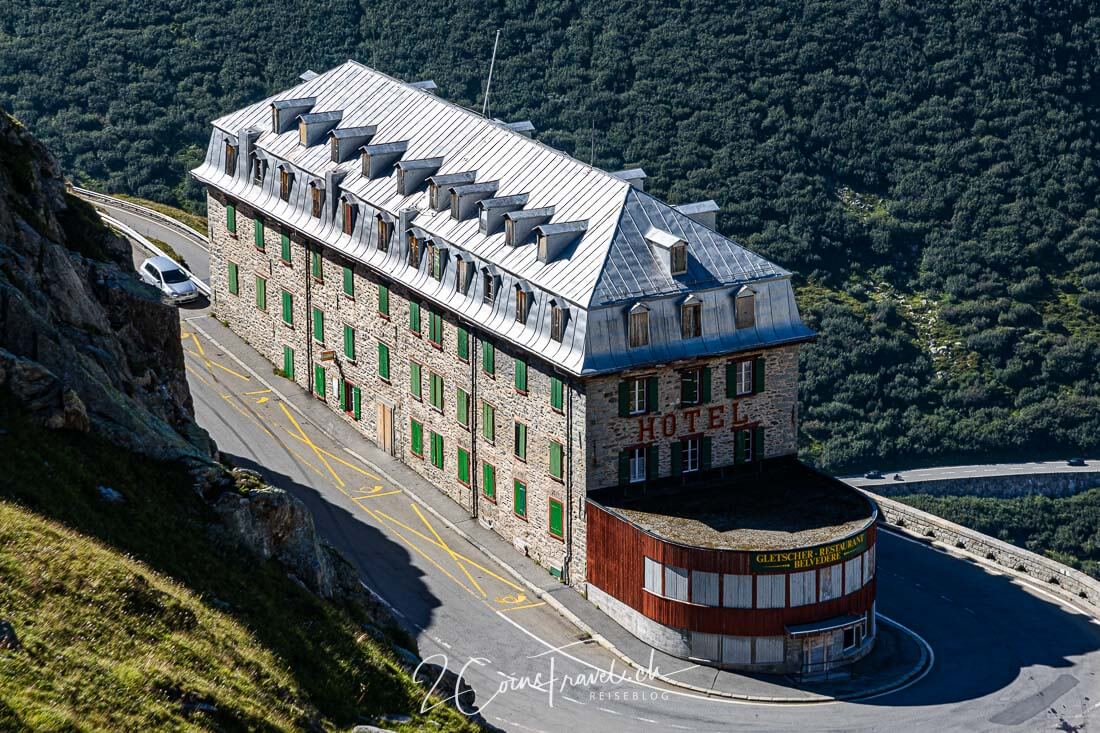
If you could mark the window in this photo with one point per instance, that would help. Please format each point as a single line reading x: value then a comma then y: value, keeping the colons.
x: 853, y: 636
x: 488, y: 421
x: 284, y: 247
x: 288, y: 308
x: 234, y: 287
x: 678, y: 259
x: 488, y: 358
x: 356, y: 403
x: 349, y: 281
x: 868, y: 565
x: 737, y: 591
x: 462, y: 407
x: 639, y: 326
x: 853, y: 574
x: 230, y: 159
x: 704, y: 588
x: 462, y: 339
x: 745, y: 315
x: 318, y: 325
x: 317, y: 194
x: 519, y: 442
x: 557, y: 394
x: 695, y: 386
x: 521, y: 376
x: 521, y: 305
x: 519, y: 498
x: 464, y: 466
x: 435, y: 391
x: 488, y: 287
x: 653, y: 575
x: 745, y: 447
x: 261, y: 293
x: 771, y: 591
x: 489, y: 482
x: 385, y: 229
x: 414, y: 317
x: 435, y: 261
x: 436, y: 450
x: 414, y: 250
x: 676, y: 583
x: 636, y: 457
x: 384, y: 361
x: 637, y: 396
x: 803, y: 588
x: 557, y: 323
x: 350, y: 214
x: 288, y: 362
x: 383, y: 300
x: 286, y: 180
x: 557, y: 519
x: 259, y: 171
x: 736, y: 650
x: 415, y: 380
x: 258, y: 233
x: 316, y: 266
x: 319, y: 380
x: 828, y: 583
x: 743, y: 376
x: 349, y: 342
x: 231, y: 218
x: 689, y: 454
x: 557, y: 459
x: 416, y: 433
x: 691, y: 324
x: 462, y: 275
x: 435, y: 328
x: 770, y: 649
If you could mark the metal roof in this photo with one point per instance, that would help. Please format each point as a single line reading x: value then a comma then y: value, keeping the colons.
x: 610, y: 260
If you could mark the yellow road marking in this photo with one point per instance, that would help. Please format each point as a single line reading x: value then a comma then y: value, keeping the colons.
x: 259, y: 391
x: 305, y: 439
x: 198, y: 344
x: 336, y: 458
x: 209, y: 364
x: 450, y: 552
x: 196, y: 373
x: 477, y: 565
x: 229, y: 399
x: 520, y: 608
x: 375, y: 496
x: 262, y: 400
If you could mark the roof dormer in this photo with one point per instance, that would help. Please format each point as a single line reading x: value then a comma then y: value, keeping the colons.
x: 313, y: 127
x: 704, y: 212
x: 518, y: 225
x: 428, y: 85
x: 379, y: 160
x: 439, y: 187
x: 634, y: 176
x: 553, y: 239
x: 492, y: 211
x: 465, y: 197
x: 669, y: 250
x: 344, y: 142
x: 285, y: 111
x: 411, y: 174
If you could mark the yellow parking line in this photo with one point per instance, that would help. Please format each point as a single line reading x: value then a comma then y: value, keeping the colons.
x: 228, y: 398
x: 198, y: 344
x: 210, y: 363
x: 259, y: 391
x: 452, y: 553
x: 339, y: 460
x: 305, y: 439
x: 520, y: 608
x: 196, y: 373
x: 375, y: 496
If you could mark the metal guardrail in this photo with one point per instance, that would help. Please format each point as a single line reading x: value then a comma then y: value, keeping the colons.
x: 149, y: 246
x: 163, y: 219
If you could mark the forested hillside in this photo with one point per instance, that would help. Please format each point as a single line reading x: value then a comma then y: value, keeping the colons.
x: 928, y: 169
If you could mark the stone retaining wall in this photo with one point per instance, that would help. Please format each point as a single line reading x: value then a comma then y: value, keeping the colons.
x: 1004, y: 486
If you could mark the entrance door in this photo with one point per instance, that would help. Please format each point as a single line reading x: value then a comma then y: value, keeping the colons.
x: 385, y: 428
x: 814, y: 655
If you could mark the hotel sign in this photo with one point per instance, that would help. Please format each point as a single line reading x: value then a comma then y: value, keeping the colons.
x: 810, y: 557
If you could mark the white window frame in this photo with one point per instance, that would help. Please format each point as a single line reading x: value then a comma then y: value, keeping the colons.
x: 748, y: 445
x: 637, y: 397
x: 690, y: 449
x: 744, y: 377
x: 637, y: 464
x: 696, y: 377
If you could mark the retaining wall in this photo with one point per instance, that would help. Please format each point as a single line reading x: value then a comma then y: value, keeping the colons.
x: 1003, y: 486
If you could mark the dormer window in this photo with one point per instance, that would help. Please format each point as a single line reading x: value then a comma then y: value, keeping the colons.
x: 557, y: 322
x: 385, y: 229
x: 435, y: 261
x: 691, y: 318
x: 259, y: 170
x: 303, y: 133
x: 522, y: 297
x: 414, y: 250
x: 678, y: 259
x: 350, y: 214
x: 286, y: 181
x: 317, y: 195
x: 230, y: 159
x: 745, y: 310
x: 639, y: 326
x: 462, y: 275
x: 488, y: 288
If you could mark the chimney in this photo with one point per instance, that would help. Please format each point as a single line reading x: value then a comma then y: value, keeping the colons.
x: 519, y: 224
x: 465, y: 196
x: 345, y: 141
x: 491, y: 217
x: 246, y: 145
x: 411, y: 174
x: 634, y: 176
x: 439, y: 188
x: 523, y: 127
x: 313, y: 127
x: 553, y: 239
x: 704, y: 212
x: 285, y: 111
x: 308, y: 75
x: 404, y: 221
x: 428, y: 85
x: 378, y: 160
x: 333, y: 181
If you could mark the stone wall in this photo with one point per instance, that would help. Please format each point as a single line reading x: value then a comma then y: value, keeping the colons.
x: 1004, y: 486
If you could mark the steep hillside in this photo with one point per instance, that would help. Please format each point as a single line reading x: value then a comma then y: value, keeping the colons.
x: 929, y: 170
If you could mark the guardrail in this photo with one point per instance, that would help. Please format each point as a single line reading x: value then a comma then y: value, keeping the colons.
x: 163, y: 219
x: 1063, y: 580
x: 144, y: 242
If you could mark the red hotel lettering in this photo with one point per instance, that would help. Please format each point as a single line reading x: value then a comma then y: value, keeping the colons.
x: 668, y: 425
x: 691, y: 415
x: 714, y: 415
x: 737, y: 421
x: 645, y: 426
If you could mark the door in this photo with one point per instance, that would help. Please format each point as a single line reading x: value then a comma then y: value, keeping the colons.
x: 385, y: 428
x: 814, y: 655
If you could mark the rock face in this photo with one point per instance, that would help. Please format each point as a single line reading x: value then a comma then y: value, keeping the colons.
x: 84, y: 345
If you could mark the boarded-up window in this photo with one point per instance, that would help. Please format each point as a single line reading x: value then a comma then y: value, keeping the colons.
x: 736, y: 650
x: 652, y: 576
x: 803, y: 588
x: 745, y: 316
x: 705, y: 646
x: 737, y: 591
x: 771, y: 591
x: 639, y: 326
x: 704, y: 588
x: 769, y: 649
x: 676, y: 583
x: 868, y: 565
x: 853, y: 575
x: 829, y: 583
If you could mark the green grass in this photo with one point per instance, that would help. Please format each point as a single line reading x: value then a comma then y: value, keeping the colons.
x: 195, y: 221
x: 170, y: 251
x: 126, y: 610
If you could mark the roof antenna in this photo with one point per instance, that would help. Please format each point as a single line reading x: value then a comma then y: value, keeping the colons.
x: 592, y: 146
x: 485, y: 105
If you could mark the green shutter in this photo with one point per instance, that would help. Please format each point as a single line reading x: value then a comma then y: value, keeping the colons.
x: 416, y: 431
x: 435, y: 391
x: 284, y: 247
x: 234, y: 287
x: 488, y: 421
x: 288, y: 308
x: 261, y: 293
x: 356, y: 403
x: 519, y: 500
x: 343, y: 397
x: 488, y: 358
x: 463, y: 344
x: 462, y: 409
x: 556, y: 518
x: 652, y: 399
x: 758, y: 443
x: 349, y: 281
x: 674, y: 457
x: 624, y: 468
x: 705, y: 387
x: 383, y: 300
x: 624, y: 398
x: 556, y: 455
x: 739, y: 447
x: 731, y: 379
x: 758, y: 375
x: 231, y: 218
x: 319, y: 380
x: 704, y: 453
x: 349, y: 342
x: 463, y: 465
x: 258, y: 230
x: 383, y: 361
x: 437, y: 450
x: 316, y: 264
x: 652, y: 462
x: 288, y: 362
x: 520, y: 436
x: 557, y: 393
x: 414, y: 317
x: 521, y: 375
x: 414, y: 379
x: 318, y: 325
x: 489, y: 480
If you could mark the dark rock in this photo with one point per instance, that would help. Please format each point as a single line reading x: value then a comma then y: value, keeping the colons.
x: 8, y: 639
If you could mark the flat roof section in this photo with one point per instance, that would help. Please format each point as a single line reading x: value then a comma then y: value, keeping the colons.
x: 779, y: 504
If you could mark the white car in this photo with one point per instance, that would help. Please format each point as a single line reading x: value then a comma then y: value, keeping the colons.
x: 167, y: 277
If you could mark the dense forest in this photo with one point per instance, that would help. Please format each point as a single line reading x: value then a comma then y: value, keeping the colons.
x: 930, y: 170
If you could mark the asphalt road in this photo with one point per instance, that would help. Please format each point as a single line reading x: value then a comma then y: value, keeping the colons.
x: 941, y: 473
x: 1008, y: 655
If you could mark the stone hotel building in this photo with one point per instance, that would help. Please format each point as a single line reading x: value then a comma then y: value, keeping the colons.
x: 519, y: 327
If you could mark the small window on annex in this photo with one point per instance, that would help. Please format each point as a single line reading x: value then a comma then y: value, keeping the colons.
x: 745, y: 309
x: 639, y: 326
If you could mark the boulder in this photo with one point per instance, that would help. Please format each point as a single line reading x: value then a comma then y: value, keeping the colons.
x: 8, y: 639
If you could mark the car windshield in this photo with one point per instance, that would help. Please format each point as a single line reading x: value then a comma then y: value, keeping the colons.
x: 174, y: 276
